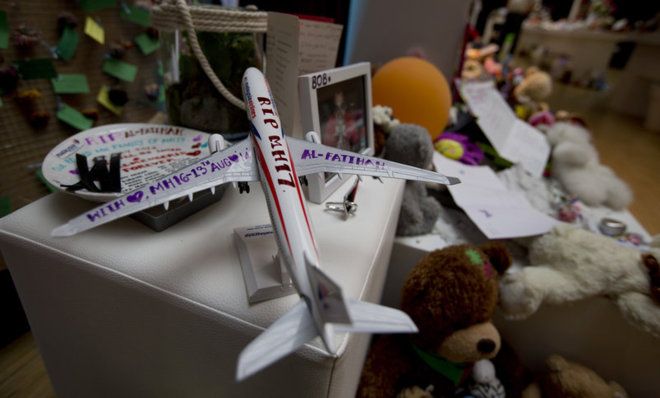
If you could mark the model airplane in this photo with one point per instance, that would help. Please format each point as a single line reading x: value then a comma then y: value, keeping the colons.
x: 278, y: 162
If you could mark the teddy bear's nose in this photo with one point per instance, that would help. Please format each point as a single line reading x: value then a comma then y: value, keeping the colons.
x: 486, y: 346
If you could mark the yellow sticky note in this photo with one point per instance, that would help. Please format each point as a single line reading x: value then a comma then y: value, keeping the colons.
x: 94, y: 30
x: 103, y: 99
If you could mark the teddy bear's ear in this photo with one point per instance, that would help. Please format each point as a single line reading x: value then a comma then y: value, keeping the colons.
x: 499, y: 256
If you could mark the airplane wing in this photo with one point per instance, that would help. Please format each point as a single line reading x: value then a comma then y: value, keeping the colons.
x: 234, y: 164
x: 310, y: 158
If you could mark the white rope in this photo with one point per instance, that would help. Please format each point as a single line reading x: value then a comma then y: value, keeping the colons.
x: 210, y: 20
x: 168, y: 17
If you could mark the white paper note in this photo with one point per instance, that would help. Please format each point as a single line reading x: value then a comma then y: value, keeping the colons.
x: 319, y: 43
x: 513, y: 139
x: 282, y: 49
x: 496, y: 211
x: 296, y: 47
x: 527, y: 146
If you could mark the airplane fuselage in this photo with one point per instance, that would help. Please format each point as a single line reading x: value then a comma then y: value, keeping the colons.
x: 289, y: 215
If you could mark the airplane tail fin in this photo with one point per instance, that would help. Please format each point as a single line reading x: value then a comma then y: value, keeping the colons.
x: 332, y: 314
x: 283, y: 337
x: 328, y: 295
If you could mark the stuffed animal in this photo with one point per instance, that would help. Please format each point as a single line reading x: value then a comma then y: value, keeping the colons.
x: 450, y: 295
x: 384, y: 122
x: 565, y: 379
x: 576, y: 166
x: 472, y: 70
x: 533, y: 90
x: 570, y: 263
x: 411, y: 144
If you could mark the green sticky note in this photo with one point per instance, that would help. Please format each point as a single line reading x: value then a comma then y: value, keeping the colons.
x: 4, y: 30
x: 74, y: 118
x: 5, y: 206
x: 161, y: 94
x: 146, y: 43
x: 137, y: 15
x: 159, y: 70
x: 41, y: 68
x: 119, y: 69
x: 66, y: 47
x: 95, y: 5
x: 69, y: 83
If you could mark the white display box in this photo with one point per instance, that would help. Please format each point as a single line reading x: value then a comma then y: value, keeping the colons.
x: 123, y: 311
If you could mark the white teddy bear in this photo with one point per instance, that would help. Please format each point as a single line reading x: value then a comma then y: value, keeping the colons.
x: 570, y: 264
x: 575, y: 164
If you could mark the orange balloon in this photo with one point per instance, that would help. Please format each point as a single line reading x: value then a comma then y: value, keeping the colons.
x: 416, y: 91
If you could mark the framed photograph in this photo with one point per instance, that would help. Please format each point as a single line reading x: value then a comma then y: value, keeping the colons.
x: 336, y: 104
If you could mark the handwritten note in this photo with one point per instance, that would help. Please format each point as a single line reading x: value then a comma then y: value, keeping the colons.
x: 319, y: 42
x: 496, y: 211
x: 282, y: 48
x: 296, y: 47
x: 513, y: 139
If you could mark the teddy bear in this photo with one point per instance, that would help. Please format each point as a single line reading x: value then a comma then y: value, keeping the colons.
x: 570, y: 263
x: 566, y: 379
x: 411, y: 144
x: 533, y: 90
x: 450, y: 295
x: 576, y: 166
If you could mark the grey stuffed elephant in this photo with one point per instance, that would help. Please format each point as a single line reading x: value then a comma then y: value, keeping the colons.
x: 411, y: 144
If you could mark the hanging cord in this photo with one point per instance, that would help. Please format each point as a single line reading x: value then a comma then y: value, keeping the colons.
x: 204, y: 63
x: 169, y: 17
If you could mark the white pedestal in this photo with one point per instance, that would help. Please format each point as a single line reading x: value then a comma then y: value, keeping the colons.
x: 123, y: 311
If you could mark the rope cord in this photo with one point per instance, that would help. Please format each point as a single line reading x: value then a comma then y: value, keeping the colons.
x: 170, y: 17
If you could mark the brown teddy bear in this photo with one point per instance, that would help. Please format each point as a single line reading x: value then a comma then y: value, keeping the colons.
x: 565, y: 379
x: 450, y: 295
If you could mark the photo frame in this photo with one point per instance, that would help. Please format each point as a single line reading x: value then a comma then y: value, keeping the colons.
x: 336, y: 104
